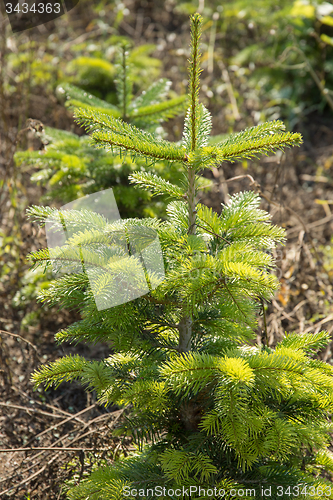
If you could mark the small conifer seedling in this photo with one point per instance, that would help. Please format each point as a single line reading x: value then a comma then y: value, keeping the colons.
x: 212, y: 413
x: 69, y: 167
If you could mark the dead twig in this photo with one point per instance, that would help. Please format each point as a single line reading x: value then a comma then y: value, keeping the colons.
x: 34, y: 410
x: 322, y: 322
x: 77, y: 438
x: 59, y: 410
x: 24, y: 481
x: 47, y: 448
x: 55, y: 426
x: 311, y: 225
x: 248, y: 176
x: 55, y: 443
x: 16, y: 335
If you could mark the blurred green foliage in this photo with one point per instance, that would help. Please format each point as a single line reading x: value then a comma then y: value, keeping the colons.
x: 32, y: 284
x: 70, y: 168
x: 94, y: 72
x: 279, y: 55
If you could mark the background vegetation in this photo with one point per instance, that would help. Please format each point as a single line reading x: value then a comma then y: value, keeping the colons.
x: 261, y: 61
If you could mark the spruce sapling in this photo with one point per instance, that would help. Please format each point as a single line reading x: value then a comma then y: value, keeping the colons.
x: 206, y: 406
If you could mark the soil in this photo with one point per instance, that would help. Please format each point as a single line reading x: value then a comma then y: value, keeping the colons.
x: 67, y: 429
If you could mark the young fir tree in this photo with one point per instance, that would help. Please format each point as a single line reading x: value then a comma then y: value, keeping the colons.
x: 70, y: 168
x: 206, y: 406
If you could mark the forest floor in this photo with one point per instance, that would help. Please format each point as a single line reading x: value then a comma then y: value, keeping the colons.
x: 67, y: 429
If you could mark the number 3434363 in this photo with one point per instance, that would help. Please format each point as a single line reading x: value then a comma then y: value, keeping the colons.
x: 41, y: 8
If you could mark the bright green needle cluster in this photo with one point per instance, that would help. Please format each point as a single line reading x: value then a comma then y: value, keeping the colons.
x: 206, y: 406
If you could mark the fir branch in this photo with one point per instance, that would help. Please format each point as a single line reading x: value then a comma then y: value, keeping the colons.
x: 155, y: 94
x: 74, y: 94
x: 159, y: 111
x: 114, y: 133
x: 203, y: 125
x: 209, y: 156
x: 64, y: 369
x: 180, y: 466
x: 306, y: 341
x: 252, y: 133
x: 235, y: 302
x: 194, y: 78
x: 74, y: 220
x: 156, y: 184
x: 74, y: 104
x: 123, y: 82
